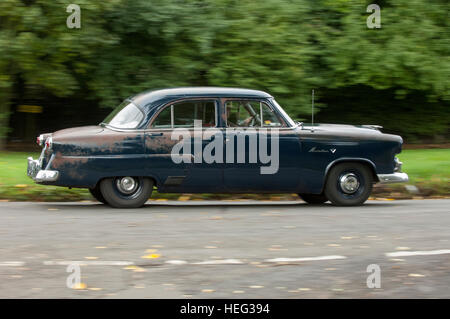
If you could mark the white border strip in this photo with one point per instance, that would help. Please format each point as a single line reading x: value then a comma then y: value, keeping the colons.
x: 418, y: 253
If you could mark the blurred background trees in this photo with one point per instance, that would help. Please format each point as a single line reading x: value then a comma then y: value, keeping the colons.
x: 397, y: 76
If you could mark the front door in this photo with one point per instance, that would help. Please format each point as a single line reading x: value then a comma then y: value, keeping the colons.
x: 261, y: 152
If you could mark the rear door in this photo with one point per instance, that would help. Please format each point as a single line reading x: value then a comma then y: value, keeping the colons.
x: 177, y: 139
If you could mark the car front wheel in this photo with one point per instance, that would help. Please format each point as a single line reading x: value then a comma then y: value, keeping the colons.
x: 349, y: 184
x: 126, y: 191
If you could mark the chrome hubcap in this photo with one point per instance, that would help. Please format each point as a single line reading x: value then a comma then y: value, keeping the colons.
x: 126, y: 185
x: 349, y: 183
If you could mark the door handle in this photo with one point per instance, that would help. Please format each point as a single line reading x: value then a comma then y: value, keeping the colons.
x: 155, y: 134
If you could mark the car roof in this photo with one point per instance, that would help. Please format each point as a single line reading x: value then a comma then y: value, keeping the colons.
x: 157, y: 97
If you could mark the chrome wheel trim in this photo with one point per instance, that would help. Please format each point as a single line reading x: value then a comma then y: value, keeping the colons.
x: 349, y: 183
x: 127, y: 185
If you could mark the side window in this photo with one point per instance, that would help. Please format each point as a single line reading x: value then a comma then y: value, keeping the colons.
x: 269, y: 118
x: 250, y: 114
x: 163, y: 120
x: 183, y: 114
x: 242, y: 113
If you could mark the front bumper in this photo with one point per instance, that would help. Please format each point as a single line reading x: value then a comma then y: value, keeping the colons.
x: 39, y: 175
x: 393, y: 178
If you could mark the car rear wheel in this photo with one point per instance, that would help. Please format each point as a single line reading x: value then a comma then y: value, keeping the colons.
x: 314, y: 199
x: 126, y: 191
x: 349, y: 184
x: 95, y: 192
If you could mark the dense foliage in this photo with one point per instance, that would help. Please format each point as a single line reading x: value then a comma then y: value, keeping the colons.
x: 284, y: 47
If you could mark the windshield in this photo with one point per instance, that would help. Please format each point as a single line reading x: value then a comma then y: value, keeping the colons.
x: 126, y: 115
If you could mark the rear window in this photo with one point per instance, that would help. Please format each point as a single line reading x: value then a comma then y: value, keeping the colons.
x: 126, y: 115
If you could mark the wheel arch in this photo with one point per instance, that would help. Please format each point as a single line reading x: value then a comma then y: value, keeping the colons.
x: 368, y: 163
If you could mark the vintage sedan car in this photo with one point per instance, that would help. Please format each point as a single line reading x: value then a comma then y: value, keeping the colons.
x: 216, y: 140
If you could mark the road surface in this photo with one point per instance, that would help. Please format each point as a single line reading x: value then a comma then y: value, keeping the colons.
x: 225, y: 250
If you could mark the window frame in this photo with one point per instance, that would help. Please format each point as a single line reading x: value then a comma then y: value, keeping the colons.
x: 172, y: 117
x: 283, y: 122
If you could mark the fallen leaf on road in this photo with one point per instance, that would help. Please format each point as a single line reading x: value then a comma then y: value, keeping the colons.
x: 132, y: 267
x: 208, y: 290
x: 416, y: 275
x: 151, y: 256
x: 80, y: 286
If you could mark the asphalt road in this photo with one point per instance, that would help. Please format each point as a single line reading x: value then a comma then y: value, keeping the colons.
x: 225, y: 250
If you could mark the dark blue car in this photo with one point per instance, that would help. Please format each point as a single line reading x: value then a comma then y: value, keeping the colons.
x: 216, y: 140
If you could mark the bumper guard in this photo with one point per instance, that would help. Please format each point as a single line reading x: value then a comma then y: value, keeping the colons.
x: 39, y: 175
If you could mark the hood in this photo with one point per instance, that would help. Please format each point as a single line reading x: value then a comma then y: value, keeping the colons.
x: 355, y: 132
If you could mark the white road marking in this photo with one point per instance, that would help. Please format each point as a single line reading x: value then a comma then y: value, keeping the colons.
x: 418, y: 253
x: 87, y: 262
x: 279, y: 260
x: 219, y: 262
x: 12, y: 263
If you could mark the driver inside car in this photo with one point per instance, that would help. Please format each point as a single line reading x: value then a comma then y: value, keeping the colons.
x: 233, y: 116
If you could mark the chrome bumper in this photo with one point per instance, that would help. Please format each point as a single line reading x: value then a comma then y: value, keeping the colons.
x: 39, y: 175
x: 393, y: 178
